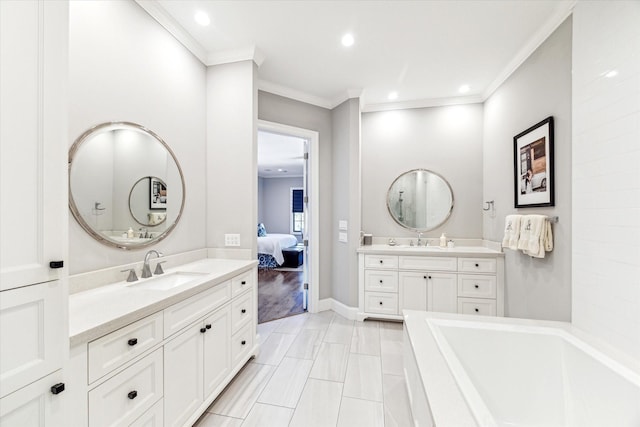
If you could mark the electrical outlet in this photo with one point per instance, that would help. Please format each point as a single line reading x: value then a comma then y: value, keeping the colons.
x: 232, y: 240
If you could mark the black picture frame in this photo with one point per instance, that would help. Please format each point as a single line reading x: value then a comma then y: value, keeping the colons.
x: 533, y: 162
x: 157, y: 194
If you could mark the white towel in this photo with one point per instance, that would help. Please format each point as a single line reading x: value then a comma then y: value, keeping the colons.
x: 511, y: 231
x: 539, y: 238
x: 525, y: 233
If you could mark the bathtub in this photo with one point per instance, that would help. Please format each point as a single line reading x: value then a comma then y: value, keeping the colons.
x: 480, y: 371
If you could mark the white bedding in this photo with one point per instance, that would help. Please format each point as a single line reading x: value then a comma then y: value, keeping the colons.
x: 272, y: 244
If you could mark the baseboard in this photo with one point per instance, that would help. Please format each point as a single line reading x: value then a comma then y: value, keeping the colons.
x: 338, y: 307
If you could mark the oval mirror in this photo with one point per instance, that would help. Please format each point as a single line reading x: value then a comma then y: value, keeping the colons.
x: 420, y: 200
x: 124, y: 177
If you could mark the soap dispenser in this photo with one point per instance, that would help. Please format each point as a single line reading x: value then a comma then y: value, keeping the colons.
x: 443, y: 241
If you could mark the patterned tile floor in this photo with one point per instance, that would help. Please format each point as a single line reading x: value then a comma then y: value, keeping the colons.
x: 318, y: 370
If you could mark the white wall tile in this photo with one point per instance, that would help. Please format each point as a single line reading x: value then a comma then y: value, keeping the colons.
x: 606, y: 178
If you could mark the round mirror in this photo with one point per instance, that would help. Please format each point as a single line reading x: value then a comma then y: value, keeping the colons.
x: 420, y: 200
x: 148, y: 200
x: 126, y: 188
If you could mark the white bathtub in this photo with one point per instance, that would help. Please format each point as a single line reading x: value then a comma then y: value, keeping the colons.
x: 514, y: 372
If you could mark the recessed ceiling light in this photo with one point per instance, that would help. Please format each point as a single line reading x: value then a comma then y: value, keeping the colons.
x: 611, y: 73
x: 393, y: 95
x: 202, y: 18
x: 347, y: 40
x: 464, y: 89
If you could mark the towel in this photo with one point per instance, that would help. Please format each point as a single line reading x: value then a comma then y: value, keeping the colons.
x: 537, y: 238
x: 156, y: 218
x: 511, y: 231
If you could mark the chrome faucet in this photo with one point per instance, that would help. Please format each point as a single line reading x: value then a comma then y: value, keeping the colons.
x: 146, y: 271
x: 419, y: 238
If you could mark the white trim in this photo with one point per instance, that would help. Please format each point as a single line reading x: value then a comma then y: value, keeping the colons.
x: 314, y: 193
x: 297, y: 95
x: 564, y: 9
x: 157, y: 12
x: 250, y: 53
x: 343, y: 310
x: 423, y: 103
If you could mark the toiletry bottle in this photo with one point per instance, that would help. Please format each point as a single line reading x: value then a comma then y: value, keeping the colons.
x: 443, y: 241
x: 450, y: 244
x: 130, y: 233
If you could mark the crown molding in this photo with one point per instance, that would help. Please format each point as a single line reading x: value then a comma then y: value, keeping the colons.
x: 251, y: 53
x: 564, y: 9
x: 157, y: 12
x: 423, y: 103
x: 297, y: 95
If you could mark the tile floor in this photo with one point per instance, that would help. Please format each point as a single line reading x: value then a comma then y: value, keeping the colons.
x: 318, y: 370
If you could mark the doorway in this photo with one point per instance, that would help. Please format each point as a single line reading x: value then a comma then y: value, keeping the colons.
x: 287, y: 211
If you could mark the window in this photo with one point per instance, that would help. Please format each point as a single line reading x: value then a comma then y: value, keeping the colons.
x: 297, y: 210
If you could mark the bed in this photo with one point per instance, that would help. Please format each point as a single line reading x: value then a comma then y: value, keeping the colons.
x: 270, y: 249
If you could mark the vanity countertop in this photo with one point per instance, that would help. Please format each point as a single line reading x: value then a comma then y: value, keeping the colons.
x: 476, y: 251
x: 97, y: 312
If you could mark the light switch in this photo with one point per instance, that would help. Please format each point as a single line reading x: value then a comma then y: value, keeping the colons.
x: 342, y: 225
x: 342, y: 237
x: 232, y: 240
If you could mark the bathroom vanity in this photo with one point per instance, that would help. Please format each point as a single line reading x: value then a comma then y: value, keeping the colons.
x: 158, y: 351
x: 466, y: 280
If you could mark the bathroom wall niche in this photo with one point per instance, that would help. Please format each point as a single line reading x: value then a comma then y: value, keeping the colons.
x: 124, y: 177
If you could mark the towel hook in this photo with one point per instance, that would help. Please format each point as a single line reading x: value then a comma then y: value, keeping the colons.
x: 489, y: 205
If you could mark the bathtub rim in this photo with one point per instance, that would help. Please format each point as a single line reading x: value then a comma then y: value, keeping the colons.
x: 448, y: 404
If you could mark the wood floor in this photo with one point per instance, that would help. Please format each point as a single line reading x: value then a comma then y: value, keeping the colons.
x: 279, y: 294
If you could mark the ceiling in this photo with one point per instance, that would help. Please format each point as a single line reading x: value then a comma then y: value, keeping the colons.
x: 279, y: 156
x: 424, y: 50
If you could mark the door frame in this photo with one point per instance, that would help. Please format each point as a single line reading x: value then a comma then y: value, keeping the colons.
x: 313, y: 274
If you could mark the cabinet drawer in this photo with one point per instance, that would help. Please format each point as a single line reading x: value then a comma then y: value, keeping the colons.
x: 425, y: 263
x: 476, y: 286
x: 241, y: 311
x: 241, y: 283
x: 483, y: 307
x: 241, y: 343
x: 188, y: 311
x: 381, y: 303
x: 127, y: 395
x: 381, y: 281
x: 477, y: 265
x: 113, y: 350
x: 154, y: 417
x: 381, y: 261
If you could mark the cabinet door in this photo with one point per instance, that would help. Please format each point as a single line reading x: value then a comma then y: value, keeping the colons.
x: 443, y: 292
x: 35, y: 405
x: 413, y: 290
x: 183, y: 375
x: 217, y: 352
x: 32, y: 327
x: 33, y: 123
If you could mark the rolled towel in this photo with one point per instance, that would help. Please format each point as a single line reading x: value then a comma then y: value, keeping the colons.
x: 511, y: 231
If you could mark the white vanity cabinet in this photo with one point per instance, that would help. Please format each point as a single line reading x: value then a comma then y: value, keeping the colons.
x: 396, y: 279
x: 33, y: 211
x: 165, y: 369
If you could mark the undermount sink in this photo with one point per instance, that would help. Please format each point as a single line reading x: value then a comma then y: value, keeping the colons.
x: 168, y: 281
x: 421, y: 248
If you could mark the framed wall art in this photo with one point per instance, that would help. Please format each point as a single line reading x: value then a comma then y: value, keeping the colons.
x: 533, y: 166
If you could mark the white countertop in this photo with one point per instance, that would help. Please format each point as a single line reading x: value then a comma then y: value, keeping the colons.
x: 97, y: 312
x: 479, y: 251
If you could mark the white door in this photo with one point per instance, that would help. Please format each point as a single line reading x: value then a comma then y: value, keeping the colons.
x: 305, y: 231
x: 413, y: 290
x: 217, y: 351
x: 33, y: 141
x: 443, y: 292
x: 35, y: 405
x: 33, y: 333
x: 183, y: 375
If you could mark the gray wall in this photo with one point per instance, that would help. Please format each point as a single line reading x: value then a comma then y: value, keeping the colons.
x: 232, y: 178
x: 541, y: 87
x: 346, y: 200
x: 446, y: 140
x: 260, y: 199
x: 276, y: 208
x: 286, y: 111
x: 123, y: 66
